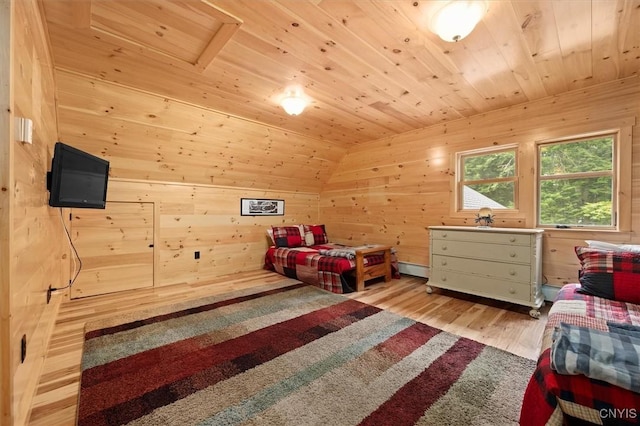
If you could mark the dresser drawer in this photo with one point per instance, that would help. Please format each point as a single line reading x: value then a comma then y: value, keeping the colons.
x: 505, y: 271
x: 484, y: 237
x: 484, y: 251
x: 510, y: 291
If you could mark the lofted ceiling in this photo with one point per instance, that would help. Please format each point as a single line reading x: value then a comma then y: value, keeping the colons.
x: 370, y: 68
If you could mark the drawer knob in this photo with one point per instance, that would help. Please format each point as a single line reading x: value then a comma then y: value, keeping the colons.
x: 512, y: 254
x: 512, y: 290
x: 444, y: 235
x: 444, y: 279
x: 512, y: 273
x: 512, y: 239
x: 443, y: 263
x: 444, y: 248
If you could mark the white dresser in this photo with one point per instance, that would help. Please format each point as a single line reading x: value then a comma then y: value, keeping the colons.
x: 499, y: 263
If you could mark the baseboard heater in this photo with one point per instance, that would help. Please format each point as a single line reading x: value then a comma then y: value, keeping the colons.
x: 416, y: 270
x: 413, y: 269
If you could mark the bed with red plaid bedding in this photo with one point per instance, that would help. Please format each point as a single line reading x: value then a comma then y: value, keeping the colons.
x: 556, y: 399
x: 332, y: 273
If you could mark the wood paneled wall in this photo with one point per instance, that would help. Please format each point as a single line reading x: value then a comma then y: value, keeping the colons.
x: 150, y: 137
x: 391, y: 190
x: 204, y: 218
x: 6, y: 177
x: 37, y: 252
x: 194, y: 164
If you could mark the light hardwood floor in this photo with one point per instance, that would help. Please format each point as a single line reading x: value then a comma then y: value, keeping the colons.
x: 498, y: 324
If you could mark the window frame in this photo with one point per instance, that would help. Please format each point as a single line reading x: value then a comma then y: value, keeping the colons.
x: 616, y: 174
x: 460, y: 183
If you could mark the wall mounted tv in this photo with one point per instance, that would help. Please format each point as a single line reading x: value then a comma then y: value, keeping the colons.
x: 77, y: 179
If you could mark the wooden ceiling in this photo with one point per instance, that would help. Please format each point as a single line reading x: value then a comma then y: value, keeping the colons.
x: 370, y: 68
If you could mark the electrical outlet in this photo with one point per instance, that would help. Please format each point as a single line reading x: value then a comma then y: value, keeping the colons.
x: 196, y: 255
x: 23, y: 348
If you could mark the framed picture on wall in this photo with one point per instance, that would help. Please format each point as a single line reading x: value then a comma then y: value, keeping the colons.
x: 261, y: 207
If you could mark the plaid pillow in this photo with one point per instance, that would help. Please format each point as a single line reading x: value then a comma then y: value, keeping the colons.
x: 610, y: 274
x: 315, y: 235
x: 287, y: 236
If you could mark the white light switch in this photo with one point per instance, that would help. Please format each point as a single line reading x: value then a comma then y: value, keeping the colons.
x: 24, y: 130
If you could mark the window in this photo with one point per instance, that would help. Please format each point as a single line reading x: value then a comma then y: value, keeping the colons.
x: 487, y: 179
x: 577, y: 182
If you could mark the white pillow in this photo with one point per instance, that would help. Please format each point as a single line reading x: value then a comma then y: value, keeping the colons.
x: 601, y: 245
x: 633, y: 248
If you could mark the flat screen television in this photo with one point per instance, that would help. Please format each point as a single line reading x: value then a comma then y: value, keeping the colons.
x: 77, y: 179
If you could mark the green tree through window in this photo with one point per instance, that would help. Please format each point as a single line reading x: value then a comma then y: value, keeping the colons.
x: 488, y: 179
x: 576, y: 182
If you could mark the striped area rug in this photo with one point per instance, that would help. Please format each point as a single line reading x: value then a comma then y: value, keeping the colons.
x: 291, y: 355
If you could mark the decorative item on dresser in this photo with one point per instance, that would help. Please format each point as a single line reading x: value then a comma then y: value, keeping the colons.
x: 485, y: 217
x: 498, y: 263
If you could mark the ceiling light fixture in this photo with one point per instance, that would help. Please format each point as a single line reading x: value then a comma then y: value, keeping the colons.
x: 294, y: 101
x: 455, y: 20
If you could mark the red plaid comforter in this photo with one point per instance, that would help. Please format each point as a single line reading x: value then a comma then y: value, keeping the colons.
x: 554, y: 399
x: 326, y: 272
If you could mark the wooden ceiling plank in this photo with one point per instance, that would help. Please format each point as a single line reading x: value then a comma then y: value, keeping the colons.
x: 69, y: 13
x: 81, y: 14
x: 630, y: 33
x: 606, y: 39
x: 217, y: 12
x: 574, y: 35
x: 75, y: 46
x: 216, y: 44
x: 541, y: 35
x: 183, y: 17
x: 506, y: 33
x: 165, y: 30
x: 470, y: 58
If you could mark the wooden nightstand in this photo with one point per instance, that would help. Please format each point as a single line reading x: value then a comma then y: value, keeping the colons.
x: 364, y: 273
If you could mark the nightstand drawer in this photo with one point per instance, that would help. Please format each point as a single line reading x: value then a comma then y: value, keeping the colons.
x: 505, y: 271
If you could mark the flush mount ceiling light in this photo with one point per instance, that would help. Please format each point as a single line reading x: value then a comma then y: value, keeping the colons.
x: 294, y: 101
x: 456, y: 19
